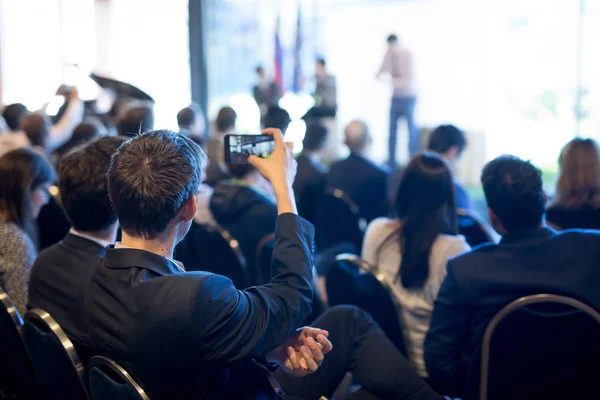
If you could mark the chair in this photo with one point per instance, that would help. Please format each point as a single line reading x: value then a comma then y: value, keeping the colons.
x: 16, y: 373
x: 109, y: 381
x: 264, y: 255
x: 211, y: 248
x: 540, y: 347
x: 474, y: 230
x: 351, y: 280
x: 59, y: 372
x: 339, y: 220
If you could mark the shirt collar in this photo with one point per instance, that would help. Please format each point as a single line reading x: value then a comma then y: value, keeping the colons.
x: 532, y: 235
x: 101, y: 242
x: 178, y: 264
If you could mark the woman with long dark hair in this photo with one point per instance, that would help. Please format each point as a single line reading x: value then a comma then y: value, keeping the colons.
x: 577, y: 199
x: 412, y: 250
x: 25, y: 177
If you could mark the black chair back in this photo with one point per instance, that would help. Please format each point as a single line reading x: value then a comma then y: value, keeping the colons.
x: 109, y: 381
x: 58, y: 370
x: 339, y: 220
x: 264, y: 256
x: 351, y: 280
x: 16, y: 373
x: 474, y: 230
x: 539, y: 347
x: 211, y: 248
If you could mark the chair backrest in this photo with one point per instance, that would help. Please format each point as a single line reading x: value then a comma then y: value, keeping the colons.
x: 339, y: 220
x: 211, y: 248
x: 540, y: 347
x: 264, y: 255
x: 351, y: 280
x: 474, y: 230
x: 58, y: 370
x: 16, y: 373
x: 109, y: 381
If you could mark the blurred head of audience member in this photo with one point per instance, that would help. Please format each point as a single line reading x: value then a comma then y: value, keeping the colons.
x: 25, y: 178
x: 191, y: 122
x: 136, y: 120
x: 260, y: 71
x: 578, y: 184
x: 250, y: 176
x: 12, y: 114
x: 357, y: 137
x: 315, y: 140
x: 449, y: 142
x: 83, y: 133
x: 159, y: 200
x: 37, y: 128
x: 514, y: 194
x: 392, y: 40
x: 425, y: 204
x: 225, y: 122
x: 320, y: 67
x: 83, y: 187
x: 277, y: 117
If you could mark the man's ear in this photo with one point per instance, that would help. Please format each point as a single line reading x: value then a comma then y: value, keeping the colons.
x: 452, y: 153
x: 496, y: 223
x: 188, y: 210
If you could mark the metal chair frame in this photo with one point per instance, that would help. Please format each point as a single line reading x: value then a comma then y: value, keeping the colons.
x: 11, y: 309
x: 105, y: 362
x: 515, y: 305
x: 42, y: 319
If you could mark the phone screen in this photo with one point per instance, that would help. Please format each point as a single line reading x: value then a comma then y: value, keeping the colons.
x: 239, y: 147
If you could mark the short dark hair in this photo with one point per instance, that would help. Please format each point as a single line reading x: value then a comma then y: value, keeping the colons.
x: 83, y: 185
x: 240, y: 171
x: 259, y: 68
x: 446, y: 136
x: 136, y: 120
x: 513, y: 191
x: 150, y: 178
x: 226, y: 119
x: 392, y: 38
x: 277, y: 117
x: 37, y: 128
x: 12, y: 114
x: 315, y: 137
x: 186, y: 117
x: 321, y: 60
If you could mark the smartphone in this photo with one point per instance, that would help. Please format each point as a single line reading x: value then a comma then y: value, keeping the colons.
x: 239, y: 147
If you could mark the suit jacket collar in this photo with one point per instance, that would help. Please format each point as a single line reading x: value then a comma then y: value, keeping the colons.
x: 133, y: 258
x: 82, y: 243
x: 534, y: 235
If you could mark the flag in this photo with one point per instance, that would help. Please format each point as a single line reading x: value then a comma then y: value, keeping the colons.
x: 298, y: 54
x: 278, y: 59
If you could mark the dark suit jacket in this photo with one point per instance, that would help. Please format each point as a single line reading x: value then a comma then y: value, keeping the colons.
x: 478, y: 284
x: 58, y: 282
x: 309, y: 185
x: 193, y: 335
x: 363, y: 181
x: 249, y: 216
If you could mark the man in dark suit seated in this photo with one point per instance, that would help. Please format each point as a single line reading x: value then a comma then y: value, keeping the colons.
x: 449, y: 142
x: 244, y: 206
x: 310, y: 179
x: 191, y: 335
x: 62, y: 272
x: 530, y: 259
x: 358, y: 177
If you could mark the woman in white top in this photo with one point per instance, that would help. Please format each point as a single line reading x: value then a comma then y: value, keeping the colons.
x: 412, y: 251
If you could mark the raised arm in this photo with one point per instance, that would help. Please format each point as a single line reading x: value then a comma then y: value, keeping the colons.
x: 63, y: 129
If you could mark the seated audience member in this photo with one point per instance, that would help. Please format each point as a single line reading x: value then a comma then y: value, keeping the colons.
x: 357, y: 176
x: 25, y: 177
x: 310, y: 179
x: 135, y: 121
x: 62, y: 272
x: 83, y: 133
x: 412, y: 251
x: 192, y: 123
x: 577, y: 199
x: 13, y: 138
x: 244, y: 207
x: 449, y: 142
x: 189, y: 335
x: 278, y: 118
x: 530, y: 259
x: 216, y: 171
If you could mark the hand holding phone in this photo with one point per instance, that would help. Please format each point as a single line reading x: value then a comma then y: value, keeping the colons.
x: 239, y: 147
